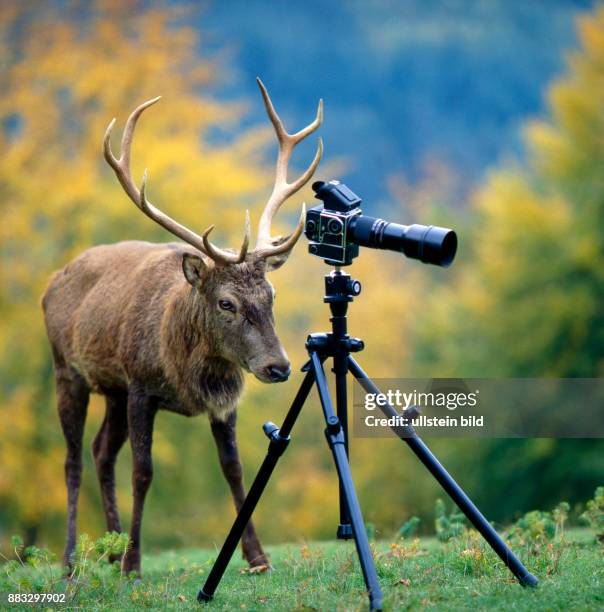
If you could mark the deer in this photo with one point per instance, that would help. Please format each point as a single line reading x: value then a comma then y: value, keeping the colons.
x: 171, y: 327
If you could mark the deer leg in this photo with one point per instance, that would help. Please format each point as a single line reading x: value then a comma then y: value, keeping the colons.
x: 106, y: 446
x: 72, y: 400
x: 141, y: 414
x: 226, y: 442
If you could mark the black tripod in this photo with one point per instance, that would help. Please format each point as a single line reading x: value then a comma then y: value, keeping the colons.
x: 340, y: 289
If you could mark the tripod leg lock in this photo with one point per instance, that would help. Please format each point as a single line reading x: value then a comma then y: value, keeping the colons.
x: 278, y: 443
x: 334, y: 432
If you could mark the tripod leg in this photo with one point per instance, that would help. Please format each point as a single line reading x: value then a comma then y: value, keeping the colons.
x: 336, y: 439
x: 279, y: 439
x: 465, y: 504
x: 340, y: 369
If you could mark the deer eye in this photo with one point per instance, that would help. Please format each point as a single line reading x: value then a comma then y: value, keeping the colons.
x: 226, y: 305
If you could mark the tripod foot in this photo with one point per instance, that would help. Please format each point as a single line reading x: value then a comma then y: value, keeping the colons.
x: 203, y: 597
x: 528, y: 580
x: 344, y: 532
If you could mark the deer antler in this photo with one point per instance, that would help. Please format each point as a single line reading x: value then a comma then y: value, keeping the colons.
x: 121, y: 167
x: 265, y: 245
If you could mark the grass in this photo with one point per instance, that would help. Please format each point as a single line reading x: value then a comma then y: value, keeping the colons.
x: 415, y: 574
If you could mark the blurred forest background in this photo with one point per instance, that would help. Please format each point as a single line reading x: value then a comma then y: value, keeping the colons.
x: 484, y: 116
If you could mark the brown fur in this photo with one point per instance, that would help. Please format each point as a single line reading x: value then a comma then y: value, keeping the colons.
x: 142, y: 324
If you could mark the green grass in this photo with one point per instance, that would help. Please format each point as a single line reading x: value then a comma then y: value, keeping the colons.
x: 414, y: 574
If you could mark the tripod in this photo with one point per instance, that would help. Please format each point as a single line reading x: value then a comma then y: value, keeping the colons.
x: 340, y: 289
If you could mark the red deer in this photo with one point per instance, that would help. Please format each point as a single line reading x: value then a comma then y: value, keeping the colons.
x: 166, y: 326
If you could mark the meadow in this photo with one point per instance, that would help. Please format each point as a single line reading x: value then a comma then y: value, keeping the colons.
x: 452, y: 570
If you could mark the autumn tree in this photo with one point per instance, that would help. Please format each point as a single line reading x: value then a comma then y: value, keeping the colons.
x: 65, y: 73
x: 527, y: 298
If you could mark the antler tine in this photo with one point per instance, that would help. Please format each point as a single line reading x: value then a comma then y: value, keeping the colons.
x: 282, y: 190
x: 214, y: 252
x: 121, y: 167
x: 284, y: 245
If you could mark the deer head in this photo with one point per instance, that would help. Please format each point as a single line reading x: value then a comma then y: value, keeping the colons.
x: 234, y: 297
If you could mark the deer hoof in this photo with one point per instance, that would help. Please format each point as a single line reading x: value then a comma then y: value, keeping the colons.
x: 131, y: 565
x: 261, y: 561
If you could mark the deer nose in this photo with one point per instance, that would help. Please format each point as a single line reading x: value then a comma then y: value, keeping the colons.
x: 278, y: 373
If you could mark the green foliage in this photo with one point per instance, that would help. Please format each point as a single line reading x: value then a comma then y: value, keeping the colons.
x: 535, y: 527
x: 31, y: 570
x: 539, y: 526
x: 538, y: 535
x: 409, y: 527
x: 34, y: 570
x: 594, y: 515
x: 541, y: 534
x: 91, y: 552
x: 560, y: 516
x: 469, y: 554
x: 447, y: 526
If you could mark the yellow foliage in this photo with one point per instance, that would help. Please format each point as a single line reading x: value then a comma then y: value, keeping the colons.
x: 568, y: 144
x: 62, y: 82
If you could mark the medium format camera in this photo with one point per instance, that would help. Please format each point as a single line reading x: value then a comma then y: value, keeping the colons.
x: 338, y: 227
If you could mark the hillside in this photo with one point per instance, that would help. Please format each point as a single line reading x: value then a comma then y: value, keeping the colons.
x: 402, y: 82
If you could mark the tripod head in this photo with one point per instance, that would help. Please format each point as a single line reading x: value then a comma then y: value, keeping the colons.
x: 340, y: 290
x: 340, y: 287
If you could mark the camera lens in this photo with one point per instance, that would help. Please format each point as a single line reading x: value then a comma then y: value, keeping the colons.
x: 429, y: 244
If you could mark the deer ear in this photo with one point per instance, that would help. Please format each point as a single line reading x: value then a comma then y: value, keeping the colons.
x: 194, y: 269
x: 276, y: 261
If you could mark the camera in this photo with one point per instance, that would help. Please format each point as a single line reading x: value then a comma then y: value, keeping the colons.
x: 337, y: 227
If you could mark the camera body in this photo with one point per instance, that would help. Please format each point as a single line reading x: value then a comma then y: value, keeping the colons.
x: 328, y: 225
x: 336, y: 229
